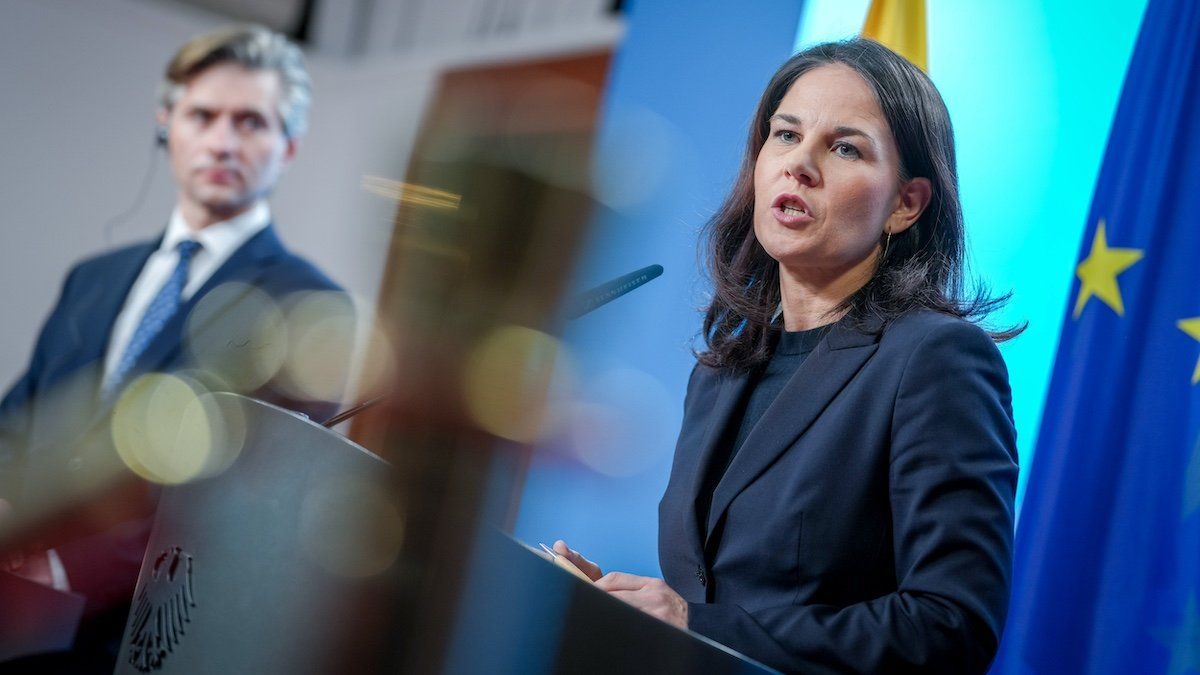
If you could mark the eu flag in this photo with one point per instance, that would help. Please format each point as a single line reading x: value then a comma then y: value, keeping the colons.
x: 1107, y: 573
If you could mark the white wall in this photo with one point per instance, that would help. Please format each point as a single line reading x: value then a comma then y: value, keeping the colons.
x: 77, y: 122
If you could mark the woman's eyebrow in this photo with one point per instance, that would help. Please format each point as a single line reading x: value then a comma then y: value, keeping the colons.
x: 837, y: 131
x: 852, y: 131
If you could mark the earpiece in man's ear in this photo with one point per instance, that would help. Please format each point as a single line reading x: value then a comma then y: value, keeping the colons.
x: 160, y: 135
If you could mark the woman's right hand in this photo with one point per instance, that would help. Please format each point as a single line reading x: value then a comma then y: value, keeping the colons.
x: 591, y: 569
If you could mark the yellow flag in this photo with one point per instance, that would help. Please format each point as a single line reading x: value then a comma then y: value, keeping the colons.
x: 899, y: 24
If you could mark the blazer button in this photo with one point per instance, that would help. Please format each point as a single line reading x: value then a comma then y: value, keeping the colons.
x: 700, y: 575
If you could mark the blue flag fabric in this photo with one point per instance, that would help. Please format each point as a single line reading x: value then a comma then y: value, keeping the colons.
x: 1107, y: 570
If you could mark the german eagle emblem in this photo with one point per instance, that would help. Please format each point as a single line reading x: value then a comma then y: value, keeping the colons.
x: 161, y: 610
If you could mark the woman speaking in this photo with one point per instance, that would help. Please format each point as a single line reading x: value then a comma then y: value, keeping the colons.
x: 841, y: 497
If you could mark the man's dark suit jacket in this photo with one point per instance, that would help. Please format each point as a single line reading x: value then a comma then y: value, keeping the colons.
x: 866, y: 523
x: 53, y: 419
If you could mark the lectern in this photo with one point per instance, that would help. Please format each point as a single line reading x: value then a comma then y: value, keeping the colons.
x: 267, y: 567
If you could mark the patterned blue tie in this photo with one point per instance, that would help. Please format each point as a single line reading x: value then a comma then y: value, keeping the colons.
x: 158, y: 313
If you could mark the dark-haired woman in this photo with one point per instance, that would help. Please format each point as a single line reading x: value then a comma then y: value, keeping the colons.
x: 841, y: 498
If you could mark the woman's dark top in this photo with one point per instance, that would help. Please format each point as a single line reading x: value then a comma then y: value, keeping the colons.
x: 791, y: 348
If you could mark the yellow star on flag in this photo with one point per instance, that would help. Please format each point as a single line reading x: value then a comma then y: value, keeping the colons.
x: 1192, y: 328
x: 1098, y: 272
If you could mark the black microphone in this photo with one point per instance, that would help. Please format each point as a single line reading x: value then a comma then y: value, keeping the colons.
x: 347, y: 414
x: 607, y: 292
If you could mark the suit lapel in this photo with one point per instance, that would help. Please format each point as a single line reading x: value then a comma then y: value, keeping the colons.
x: 90, y: 324
x: 811, y: 388
x: 732, y: 387
x: 90, y: 321
x: 247, y: 264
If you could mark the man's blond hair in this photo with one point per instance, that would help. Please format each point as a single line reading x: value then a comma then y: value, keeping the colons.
x: 252, y: 47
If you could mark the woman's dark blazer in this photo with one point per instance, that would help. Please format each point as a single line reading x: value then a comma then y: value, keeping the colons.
x: 866, y: 523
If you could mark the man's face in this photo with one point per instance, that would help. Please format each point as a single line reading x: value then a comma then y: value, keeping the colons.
x: 226, y: 142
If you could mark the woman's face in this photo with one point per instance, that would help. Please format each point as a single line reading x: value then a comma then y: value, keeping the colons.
x: 826, y: 181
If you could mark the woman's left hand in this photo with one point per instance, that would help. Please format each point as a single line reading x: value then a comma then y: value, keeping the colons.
x: 652, y: 596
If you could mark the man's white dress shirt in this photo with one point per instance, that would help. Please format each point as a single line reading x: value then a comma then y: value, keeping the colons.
x: 218, y: 241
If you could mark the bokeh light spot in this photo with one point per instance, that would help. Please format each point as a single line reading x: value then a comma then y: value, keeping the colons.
x: 377, y: 370
x: 507, y: 379
x: 351, y: 527
x: 631, y: 167
x: 618, y: 429
x: 168, y: 430
x: 321, y: 328
x: 236, y: 333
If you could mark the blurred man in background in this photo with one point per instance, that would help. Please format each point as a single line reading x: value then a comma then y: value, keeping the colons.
x: 233, y: 107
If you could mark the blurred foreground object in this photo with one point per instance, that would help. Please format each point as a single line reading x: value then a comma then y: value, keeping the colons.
x: 489, y: 219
